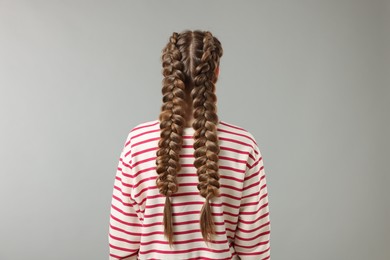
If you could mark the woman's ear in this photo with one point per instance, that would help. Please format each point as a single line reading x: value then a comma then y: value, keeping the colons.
x: 217, y: 71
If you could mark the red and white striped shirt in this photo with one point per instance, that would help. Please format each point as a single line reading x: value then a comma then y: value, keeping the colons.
x: 241, y: 213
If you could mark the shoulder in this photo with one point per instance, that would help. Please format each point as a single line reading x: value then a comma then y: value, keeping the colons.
x: 238, y: 131
x: 225, y: 129
x: 244, y: 137
x: 140, y: 129
x: 143, y: 127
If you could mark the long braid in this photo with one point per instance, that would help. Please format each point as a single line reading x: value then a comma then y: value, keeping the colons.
x: 171, y: 123
x: 189, y: 63
x: 206, y: 139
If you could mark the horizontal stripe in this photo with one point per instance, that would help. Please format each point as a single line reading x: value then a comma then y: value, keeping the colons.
x: 184, y: 251
x: 240, y: 212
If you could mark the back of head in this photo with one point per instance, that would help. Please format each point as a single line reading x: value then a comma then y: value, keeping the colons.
x: 190, y: 61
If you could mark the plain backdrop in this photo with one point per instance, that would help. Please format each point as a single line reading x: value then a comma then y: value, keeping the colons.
x: 309, y: 79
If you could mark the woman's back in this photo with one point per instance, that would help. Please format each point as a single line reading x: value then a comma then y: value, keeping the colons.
x: 240, y: 213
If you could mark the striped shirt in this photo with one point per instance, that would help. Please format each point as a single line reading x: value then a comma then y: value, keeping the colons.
x: 241, y: 213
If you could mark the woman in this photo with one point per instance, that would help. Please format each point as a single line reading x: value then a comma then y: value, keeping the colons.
x: 188, y: 185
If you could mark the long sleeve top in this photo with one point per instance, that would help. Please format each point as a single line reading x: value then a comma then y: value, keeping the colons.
x: 241, y: 213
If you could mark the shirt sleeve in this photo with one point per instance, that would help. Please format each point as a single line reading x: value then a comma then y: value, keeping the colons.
x: 124, y: 225
x: 252, y: 236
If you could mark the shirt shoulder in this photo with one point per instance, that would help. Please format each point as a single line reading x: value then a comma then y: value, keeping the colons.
x: 241, y: 139
x: 143, y: 127
x: 226, y: 130
x: 237, y: 131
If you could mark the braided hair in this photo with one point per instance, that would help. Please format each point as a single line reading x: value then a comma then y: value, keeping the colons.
x: 189, y: 61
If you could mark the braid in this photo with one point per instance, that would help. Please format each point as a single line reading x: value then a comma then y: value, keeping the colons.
x: 171, y: 124
x: 189, y: 62
x: 206, y: 140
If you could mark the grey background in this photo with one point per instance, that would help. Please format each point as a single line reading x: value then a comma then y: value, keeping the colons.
x: 310, y: 80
